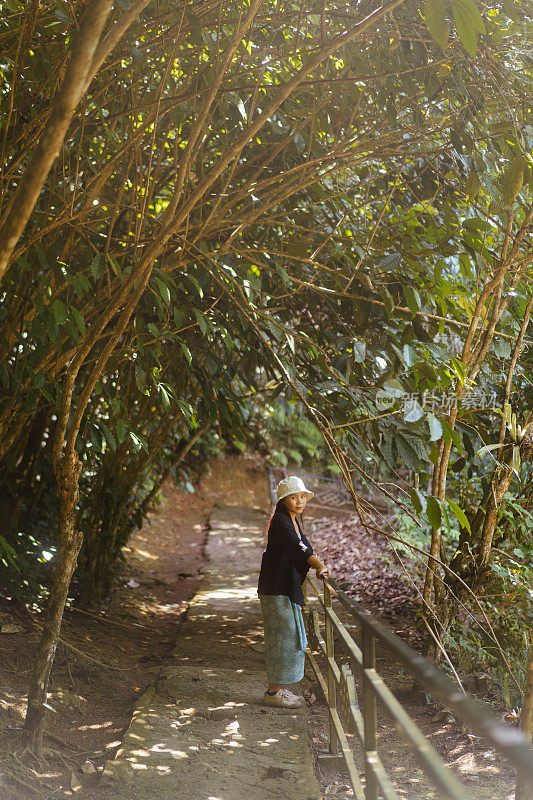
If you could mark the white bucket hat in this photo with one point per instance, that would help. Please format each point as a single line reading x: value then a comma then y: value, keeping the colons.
x: 291, y: 485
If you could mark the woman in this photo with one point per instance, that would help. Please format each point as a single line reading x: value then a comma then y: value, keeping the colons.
x: 285, y: 563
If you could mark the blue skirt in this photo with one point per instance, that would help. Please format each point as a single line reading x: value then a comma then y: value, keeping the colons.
x: 285, y: 639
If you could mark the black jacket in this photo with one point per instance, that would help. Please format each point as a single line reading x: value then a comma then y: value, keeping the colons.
x: 284, y: 563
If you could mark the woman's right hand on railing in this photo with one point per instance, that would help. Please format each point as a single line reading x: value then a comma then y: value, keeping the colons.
x: 323, y: 572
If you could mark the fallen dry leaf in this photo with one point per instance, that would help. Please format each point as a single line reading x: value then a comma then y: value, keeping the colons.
x: 10, y: 628
x: 310, y: 698
x: 75, y: 783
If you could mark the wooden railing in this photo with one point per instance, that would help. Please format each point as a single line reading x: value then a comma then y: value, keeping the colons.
x: 338, y: 686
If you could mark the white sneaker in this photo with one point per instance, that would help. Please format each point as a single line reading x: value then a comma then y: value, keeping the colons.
x: 283, y: 699
x: 294, y: 696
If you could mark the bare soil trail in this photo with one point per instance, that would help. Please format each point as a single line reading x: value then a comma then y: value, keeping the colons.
x: 112, y: 655
x: 201, y: 731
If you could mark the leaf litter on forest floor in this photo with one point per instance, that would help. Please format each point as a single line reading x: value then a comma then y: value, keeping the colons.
x: 365, y: 566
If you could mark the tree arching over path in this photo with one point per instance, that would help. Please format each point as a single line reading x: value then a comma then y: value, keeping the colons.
x: 213, y: 145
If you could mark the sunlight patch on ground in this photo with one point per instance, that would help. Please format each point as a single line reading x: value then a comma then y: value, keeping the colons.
x: 227, y: 594
x: 161, y: 748
x: 145, y: 554
x: 14, y: 706
x: 95, y: 726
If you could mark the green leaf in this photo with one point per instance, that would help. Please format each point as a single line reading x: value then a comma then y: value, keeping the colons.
x: 450, y: 434
x: 468, y: 22
x: 502, y: 348
x: 79, y: 283
x: 387, y: 298
x: 517, y: 462
x: 153, y: 329
x: 412, y: 298
x: 187, y: 352
x: 359, y: 351
x: 390, y: 262
x: 165, y: 397
x: 110, y: 439
x: 473, y: 184
x: 115, y: 266
x: 140, y: 378
x: 408, y: 355
x: 195, y: 27
x: 299, y: 143
x: 97, y: 266
x: 180, y: 317
x: 408, y: 453
x: 202, y: 324
x: 394, y: 388
x: 234, y: 98
x: 38, y: 379
x: 139, y: 442
x: 487, y: 449
x: 460, y: 514
x: 228, y: 340
x: 164, y: 291
x: 435, y: 12
x: 435, y: 428
x: 472, y: 12
x: 195, y: 283
x: 284, y: 275
x: 80, y: 322
x: 418, y: 500
x: 459, y: 368
x: 121, y: 428
x: 414, y: 410
x: 512, y: 180
x: 60, y: 312
x: 434, y: 512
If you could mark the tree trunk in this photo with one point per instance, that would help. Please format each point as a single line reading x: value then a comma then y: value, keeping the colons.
x: 524, y: 789
x: 469, y: 562
x: 69, y: 543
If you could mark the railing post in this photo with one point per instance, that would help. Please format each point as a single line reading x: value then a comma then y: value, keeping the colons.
x: 330, y: 654
x: 368, y: 647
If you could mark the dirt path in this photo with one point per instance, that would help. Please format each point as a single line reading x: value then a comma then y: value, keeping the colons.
x: 125, y: 645
x: 201, y: 732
